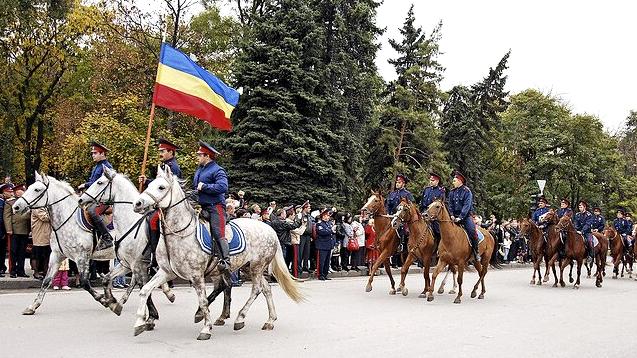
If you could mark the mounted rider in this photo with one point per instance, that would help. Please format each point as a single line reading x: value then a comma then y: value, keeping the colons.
x: 624, y: 228
x: 211, y: 182
x: 599, y: 222
x: 460, y: 203
x: 542, y: 208
x: 583, y: 222
x: 393, y: 200
x: 98, y: 153
x: 435, y: 191
x: 167, y: 153
x: 565, y: 208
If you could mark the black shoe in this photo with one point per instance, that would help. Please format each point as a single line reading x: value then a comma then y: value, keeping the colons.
x: 1, y: 274
x: 23, y: 275
x: 13, y: 275
x: 321, y: 278
x: 327, y: 278
x: 105, y: 242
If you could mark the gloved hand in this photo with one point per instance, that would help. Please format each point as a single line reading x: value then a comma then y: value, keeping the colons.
x: 456, y: 220
x: 81, y: 186
x: 199, y: 186
x: 579, y: 232
x: 453, y: 218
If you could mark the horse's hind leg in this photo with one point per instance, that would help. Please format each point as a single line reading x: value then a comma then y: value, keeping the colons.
x: 219, y: 287
x: 107, y: 281
x: 199, y: 284
x: 439, y: 267
x: 392, y: 291
x: 239, y: 323
x: 479, y: 267
x: 441, y: 289
x: 267, y: 292
x: 570, y: 273
x: 83, y: 268
x: 54, y: 264
x: 460, y: 274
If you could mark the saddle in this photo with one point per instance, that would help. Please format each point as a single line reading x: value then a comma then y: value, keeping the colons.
x: 105, y: 211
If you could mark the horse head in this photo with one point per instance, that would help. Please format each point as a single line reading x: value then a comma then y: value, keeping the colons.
x: 525, y: 227
x: 101, y: 191
x: 435, y: 211
x: 36, y: 195
x: 610, y: 232
x: 375, y: 203
x: 550, y: 217
x: 404, y: 213
x: 159, y: 192
x: 564, y: 223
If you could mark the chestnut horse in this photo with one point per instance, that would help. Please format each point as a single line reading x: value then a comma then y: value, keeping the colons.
x: 387, y: 240
x: 553, y: 244
x: 576, y: 250
x: 535, y: 237
x: 454, y: 249
x: 617, y: 249
x: 603, y: 251
x: 421, y: 240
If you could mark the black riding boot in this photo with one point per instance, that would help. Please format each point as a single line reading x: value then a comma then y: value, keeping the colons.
x: 474, y: 247
x: 105, y: 238
x: 154, y: 241
x: 224, y: 259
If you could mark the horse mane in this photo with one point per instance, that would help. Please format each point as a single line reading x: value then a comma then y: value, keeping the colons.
x: 65, y: 185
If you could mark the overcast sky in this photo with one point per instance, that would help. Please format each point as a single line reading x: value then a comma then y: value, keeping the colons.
x: 581, y: 51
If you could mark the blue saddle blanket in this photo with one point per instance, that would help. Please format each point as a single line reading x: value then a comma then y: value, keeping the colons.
x: 85, y: 225
x: 235, y: 236
x: 480, y: 236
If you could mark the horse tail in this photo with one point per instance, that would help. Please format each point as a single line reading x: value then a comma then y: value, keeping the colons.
x: 280, y: 271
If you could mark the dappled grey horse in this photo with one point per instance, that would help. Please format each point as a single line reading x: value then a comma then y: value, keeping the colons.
x: 133, y: 238
x: 68, y: 239
x: 180, y: 255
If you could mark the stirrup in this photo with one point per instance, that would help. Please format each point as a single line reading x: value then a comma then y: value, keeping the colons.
x: 104, y: 243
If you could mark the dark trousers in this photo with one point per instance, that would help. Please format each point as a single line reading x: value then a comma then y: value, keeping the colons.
x: 345, y: 254
x: 289, y: 255
x: 470, y: 226
x: 3, y: 251
x: 324, y: 262
x: 304, y: 253
x: 18, y: 252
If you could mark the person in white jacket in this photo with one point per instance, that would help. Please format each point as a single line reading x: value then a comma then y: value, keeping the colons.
x: 358, y: 257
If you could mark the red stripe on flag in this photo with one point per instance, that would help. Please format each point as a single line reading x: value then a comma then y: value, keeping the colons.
x: 181, y: 102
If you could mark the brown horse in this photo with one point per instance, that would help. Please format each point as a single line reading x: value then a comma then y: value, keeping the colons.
x: 603, y: 252
x: 535, y: 237
x: 421, y: 241
x: 616, y: 250
x: 387, y: 240
x: 576, y: 250
x: 554, y: 243
x: 454, y: 249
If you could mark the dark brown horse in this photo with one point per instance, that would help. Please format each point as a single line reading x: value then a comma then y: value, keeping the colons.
x: 535, y: 237
x: 454, y: 249
x: 603, y: 252
x: 576, y: 250
x: 617, y: 249
x: 553, y: 244
x: 386, y: 237
x: 421, y: 241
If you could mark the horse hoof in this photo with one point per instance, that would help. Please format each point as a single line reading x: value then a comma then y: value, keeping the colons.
x: 28, y: 311
x: 473, y: 294
x: 599, y: 285
x: 116, y: 308
x: 570, y: 280
x: 392, y: 292
x: 198, y: 317
x: 368, y: 288
x: 422, y: 295
x: 532, y: 282
x: 457, y: 300
x: 171, y: 298
x: 140, y: 329
x: 481, y: 296
x: 614, y: 277
x: 452, y: 292
x: 555, y: 284
x: 204, y: 336
x: 239, y: 325
x: 267, y: 327
x: 430, y: 298
x: 441, y: 291
x: 562, y: 284
x: 150, y: 326
x: 539, y: 283
x: 405, y: 291
x: 398, y: 289
x: 576, y: 287
x: 588, y: 276
x: 219, y: 322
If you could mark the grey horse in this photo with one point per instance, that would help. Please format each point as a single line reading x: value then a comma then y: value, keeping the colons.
x: 68, y: 239
x: 133, y: 240
x: 179, y: 254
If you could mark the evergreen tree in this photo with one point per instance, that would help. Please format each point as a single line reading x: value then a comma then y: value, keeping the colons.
x: 281, y: 145
x: 408, y: 137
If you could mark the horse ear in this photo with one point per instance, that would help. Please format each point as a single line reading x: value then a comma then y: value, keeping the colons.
x: 38, y: 177
x: 169, y: 171
x: 160, y: 172
x: 45, y: 179
x: 108, y: 172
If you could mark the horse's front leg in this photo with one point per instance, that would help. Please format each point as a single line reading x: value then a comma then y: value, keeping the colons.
x: 381, y: 261
x: 403, y: 273
x: 54, y: 264
x: 142, y: 310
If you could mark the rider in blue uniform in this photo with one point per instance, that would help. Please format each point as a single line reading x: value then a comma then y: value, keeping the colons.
x: 599, y: 222
x: 98, y: 153
x: 623, y: 227
x: 565, y: 208
x: 583, y: 222
x: 167, y: 152
x: 460, y: 203
x: 393, y: 200
x: 435, y: 191
x: 211, y: 182
x: 542, y: 208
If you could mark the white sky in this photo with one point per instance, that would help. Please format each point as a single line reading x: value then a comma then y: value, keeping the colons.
x: 581, y: 51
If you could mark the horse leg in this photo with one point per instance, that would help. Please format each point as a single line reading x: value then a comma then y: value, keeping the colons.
x: 441, y: 264
x: 598, y: 280
x: 427, y: 265
x: 546, y: 273
x: 441, y: 289
x: 256, y: 290
x: 219, y: 287
x: 484, y: 274
x: 267, y: 292
x: 454, y: 276
x: 54, y: 264
x: 460, y: 273
x: 478, y: 266
x: 616, y: 261
x: 563, y: 265
x: 109, y: 300
x: 381, y: 260
x: 83, y: 269
x: 142, y: 310
x: 570, y: 273
x: 535, y: 269
x: 392, y: 291
x: 579, y: 273
x: 403, y: 273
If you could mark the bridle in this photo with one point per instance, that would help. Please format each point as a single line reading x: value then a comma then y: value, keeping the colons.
x: 100, y: 195
x: 162, y: 211
x: 418, y: 218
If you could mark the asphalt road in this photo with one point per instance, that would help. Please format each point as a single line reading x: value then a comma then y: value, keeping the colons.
x: 341, y: 320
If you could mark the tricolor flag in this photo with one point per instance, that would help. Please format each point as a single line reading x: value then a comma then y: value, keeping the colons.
x: 183, y: 86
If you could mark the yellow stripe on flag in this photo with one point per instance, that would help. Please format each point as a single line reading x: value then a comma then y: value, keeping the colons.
x: 191, y: 85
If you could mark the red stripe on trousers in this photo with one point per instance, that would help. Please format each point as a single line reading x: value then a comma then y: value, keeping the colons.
x: 222, y: 220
